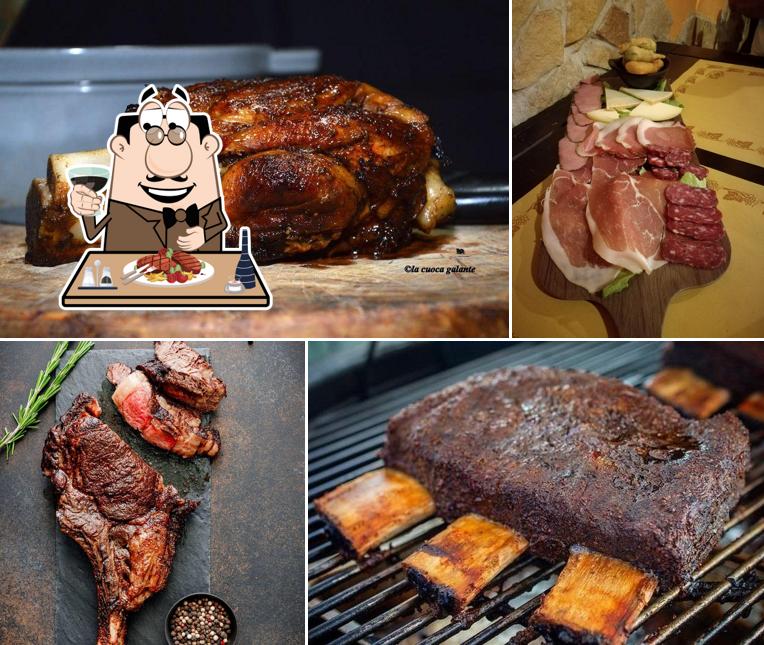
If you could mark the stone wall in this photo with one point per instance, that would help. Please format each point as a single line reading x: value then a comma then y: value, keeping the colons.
x: 556, y: 43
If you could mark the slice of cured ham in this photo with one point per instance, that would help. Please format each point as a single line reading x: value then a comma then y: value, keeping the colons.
x: 588, y: 97
x: 627, y: 134
x: 667, y: 134
x: 569, y: 158
x: 578, y: 117
x: 626, y: 216
x: 607, y: 140
x: 566, y: 235
x: 573, y: 131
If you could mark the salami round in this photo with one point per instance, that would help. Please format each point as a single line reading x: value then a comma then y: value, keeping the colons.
x: 699, y: 171
x: 702, y: 232
x: 701, y: 255
x: 684, y: 195
x: 658, y: 162
x: 672, y: 174
x: 693, y: 214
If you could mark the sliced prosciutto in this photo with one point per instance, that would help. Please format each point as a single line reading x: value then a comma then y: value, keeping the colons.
x: 566, y: 235
x: 626, y: 215
x: 627, y: 134
x: 607, y: 140
x: 667, y: 135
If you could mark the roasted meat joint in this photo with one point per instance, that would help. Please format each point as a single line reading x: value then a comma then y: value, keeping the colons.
x: 312, y: 164
x: 118, y: 510
x: 153, y: 492
x: 531, y: 465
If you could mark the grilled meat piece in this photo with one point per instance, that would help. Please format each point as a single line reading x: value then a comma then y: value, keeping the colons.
x: 184, y: 375
x: 187, y: 261
x: 117, y: 508
x: 361, y: 514
x: 569, y: 458
x: 739, y: 367
x: 158, y: 261
x: 453, y: 567
x: 596, y: 599
x: 164, y: 424
x: 685, y: 390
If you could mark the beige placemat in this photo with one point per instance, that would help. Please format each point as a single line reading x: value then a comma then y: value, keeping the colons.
x: 733, y: 306
x: 724, y: 106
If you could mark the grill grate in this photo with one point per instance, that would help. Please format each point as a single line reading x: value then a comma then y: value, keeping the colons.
x: 374, y: 603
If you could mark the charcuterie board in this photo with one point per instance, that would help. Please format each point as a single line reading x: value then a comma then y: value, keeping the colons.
x: 638, y: 310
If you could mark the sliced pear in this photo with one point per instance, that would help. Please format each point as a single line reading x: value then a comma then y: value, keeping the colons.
x: 656, y: 111
x: 615, y: 99
x: 651, y: 96
x: 603, y: 116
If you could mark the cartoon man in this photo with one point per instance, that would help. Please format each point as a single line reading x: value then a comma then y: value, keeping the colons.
x: 165, y: 185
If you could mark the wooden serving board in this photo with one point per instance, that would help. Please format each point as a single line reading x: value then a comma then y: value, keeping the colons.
x: 311, y: 299
x: 638, y: 310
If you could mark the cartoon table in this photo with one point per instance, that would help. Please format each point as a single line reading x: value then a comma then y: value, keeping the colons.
x: 207, y: 294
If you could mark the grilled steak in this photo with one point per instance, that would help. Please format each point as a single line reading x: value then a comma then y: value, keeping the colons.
x: 160, y: 262
x: 117, y: 508
x: 182, y: 374
x: 164, y: 424
x: 739, y: 367
x: 570, y: 458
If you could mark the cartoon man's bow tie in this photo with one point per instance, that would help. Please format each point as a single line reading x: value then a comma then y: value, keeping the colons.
x: 189, y: 215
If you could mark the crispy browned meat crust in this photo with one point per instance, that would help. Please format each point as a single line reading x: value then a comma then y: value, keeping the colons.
x: 570, y: 458
x: 117, y: 508
x: 318, y: 163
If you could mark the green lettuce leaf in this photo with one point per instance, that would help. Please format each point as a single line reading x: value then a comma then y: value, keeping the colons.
x: 691, y: 180
x: 620, y: 282
x: 661, y: 86
x: 673, y: 101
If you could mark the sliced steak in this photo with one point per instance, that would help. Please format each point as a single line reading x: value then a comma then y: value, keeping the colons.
x: 569, y: 458
x: 164, y: 424
x: 182, y: 374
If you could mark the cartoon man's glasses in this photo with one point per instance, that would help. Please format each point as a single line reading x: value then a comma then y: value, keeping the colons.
x: 177, y: 116
x: 155, y: 135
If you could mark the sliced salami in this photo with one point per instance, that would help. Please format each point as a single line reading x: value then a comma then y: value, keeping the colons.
x: 702, y: 232
x: 672, y: 174
x: 693, y: 214
x: 658, y: 162
x: 684, y: 195
x: 701, y: 255
x: 670, y: 156
x: 699, y: 171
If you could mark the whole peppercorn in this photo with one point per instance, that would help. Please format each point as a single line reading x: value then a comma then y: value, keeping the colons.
x: 203, y: 621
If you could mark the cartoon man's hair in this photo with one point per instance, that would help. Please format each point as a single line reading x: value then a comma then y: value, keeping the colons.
x: 127, y: 121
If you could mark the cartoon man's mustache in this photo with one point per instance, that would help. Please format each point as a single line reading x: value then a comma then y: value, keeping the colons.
x: 154, y: 178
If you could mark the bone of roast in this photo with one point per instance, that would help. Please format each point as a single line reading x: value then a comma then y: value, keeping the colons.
x: 312, y: 164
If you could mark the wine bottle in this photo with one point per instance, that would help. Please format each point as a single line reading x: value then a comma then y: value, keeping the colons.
x: 245, y: 269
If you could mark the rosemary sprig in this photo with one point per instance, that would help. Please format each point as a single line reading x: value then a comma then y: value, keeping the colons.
x: 43, y: 391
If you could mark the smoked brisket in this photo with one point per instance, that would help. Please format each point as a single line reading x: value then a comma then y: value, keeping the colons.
x: 569, y: 458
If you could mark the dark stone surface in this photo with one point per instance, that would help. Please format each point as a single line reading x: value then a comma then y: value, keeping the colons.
x: 257, y: 502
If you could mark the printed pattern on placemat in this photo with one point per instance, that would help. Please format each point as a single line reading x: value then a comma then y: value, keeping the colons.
x: 723, y: 108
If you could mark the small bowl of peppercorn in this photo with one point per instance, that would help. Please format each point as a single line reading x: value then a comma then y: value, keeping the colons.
x: 200, y: 619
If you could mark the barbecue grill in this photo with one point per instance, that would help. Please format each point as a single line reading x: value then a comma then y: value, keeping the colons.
x: 373, y: 602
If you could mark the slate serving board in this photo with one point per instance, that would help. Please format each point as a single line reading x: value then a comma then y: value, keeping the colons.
x: 76, y: 619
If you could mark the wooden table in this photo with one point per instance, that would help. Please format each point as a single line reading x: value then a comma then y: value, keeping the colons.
x: 258, y: 507
x: 318, y: 299
x: 194, y: 294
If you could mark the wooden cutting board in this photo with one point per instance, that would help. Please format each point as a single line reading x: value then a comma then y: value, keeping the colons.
x: 334, y: 298
x: 638, y: 310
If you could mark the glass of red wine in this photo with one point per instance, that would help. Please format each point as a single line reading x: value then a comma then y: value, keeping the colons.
x: 94, y: 177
